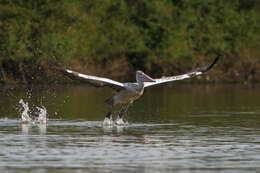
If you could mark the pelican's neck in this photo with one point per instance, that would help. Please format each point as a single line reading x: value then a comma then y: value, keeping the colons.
x: 141, y: 78
x: 140, y: 84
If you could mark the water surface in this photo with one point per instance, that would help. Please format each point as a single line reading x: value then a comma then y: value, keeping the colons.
x: 175, y: 128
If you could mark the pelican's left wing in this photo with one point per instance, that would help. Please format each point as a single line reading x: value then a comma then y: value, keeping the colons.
x: 191, y: 74
x: 95, y: 78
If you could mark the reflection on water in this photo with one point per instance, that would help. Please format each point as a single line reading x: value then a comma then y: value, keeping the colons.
x: 27, y: 128
x: 180, y: 128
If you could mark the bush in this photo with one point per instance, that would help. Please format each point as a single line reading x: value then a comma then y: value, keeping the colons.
x: 43, y: 31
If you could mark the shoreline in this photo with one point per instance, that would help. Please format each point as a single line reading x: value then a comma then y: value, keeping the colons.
x: 226, y: 71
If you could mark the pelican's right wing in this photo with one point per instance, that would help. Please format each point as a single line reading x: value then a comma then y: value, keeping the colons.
x: 191, y: 74
x: 95, y: 78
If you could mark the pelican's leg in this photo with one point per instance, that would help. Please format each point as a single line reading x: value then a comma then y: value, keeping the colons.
x: 123, y: 110
x: 109, y: 114
x: 108, y: 118
x: 119, y: 119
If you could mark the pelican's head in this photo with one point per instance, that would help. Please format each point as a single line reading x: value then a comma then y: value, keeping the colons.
x: 141, y: 77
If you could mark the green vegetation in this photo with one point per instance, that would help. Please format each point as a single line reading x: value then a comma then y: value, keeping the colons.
x: 146, y: 34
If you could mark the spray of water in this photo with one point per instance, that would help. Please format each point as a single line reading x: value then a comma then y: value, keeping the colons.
x: 108, y: 122
x: 26, y: 118
x: 42, y: 115
x: 25, y: 114
x: 118, y: 122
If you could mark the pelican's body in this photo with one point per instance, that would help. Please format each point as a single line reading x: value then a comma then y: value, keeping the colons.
x: 131, y: 91
x: 129, y: 94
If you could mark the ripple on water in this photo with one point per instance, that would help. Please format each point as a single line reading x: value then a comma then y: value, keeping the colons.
x: 153, y: 147
x: 213, y: 132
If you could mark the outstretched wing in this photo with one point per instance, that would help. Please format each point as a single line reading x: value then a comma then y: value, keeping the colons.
x: 191, y: 74
x: 95, y: 78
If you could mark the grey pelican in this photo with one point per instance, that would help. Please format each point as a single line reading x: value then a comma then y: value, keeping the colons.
x: 130, y: 91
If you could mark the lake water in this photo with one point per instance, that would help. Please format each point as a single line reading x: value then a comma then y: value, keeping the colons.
x: 175, y: 128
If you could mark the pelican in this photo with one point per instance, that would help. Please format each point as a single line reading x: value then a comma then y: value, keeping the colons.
x: 131, y: 91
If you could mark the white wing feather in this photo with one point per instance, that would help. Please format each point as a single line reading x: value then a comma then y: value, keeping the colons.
x: 172, y: 78
x: 95, y: 78
x: 194, y: 73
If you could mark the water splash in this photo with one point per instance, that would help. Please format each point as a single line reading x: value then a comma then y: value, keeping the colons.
x: 120, y: 122
x: 25, y: 114
x: 26, y: 118
x: 41, y: 115
x: 108, y: 122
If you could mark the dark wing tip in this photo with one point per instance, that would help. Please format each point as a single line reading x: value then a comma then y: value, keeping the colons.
x: 208, y: 67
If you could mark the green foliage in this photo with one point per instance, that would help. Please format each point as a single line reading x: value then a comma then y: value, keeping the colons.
x: 45, y: 31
